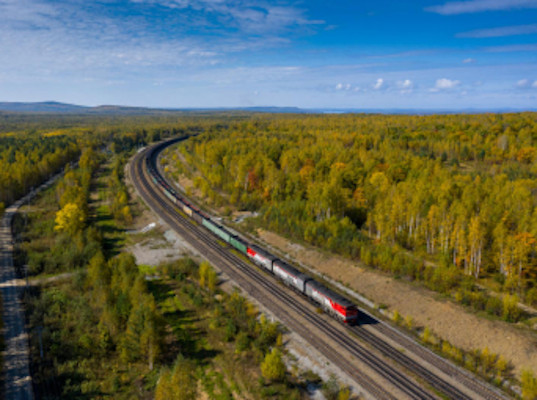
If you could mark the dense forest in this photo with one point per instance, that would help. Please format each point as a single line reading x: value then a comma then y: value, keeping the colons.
x: 447, y: 200
x: 457, y: 190
x: 27, y: 160
x: 102, y: 329
x: 99, y: 328
x: 34, y: 146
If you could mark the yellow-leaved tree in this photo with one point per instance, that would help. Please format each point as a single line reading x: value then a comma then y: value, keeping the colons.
x: 70, y: 219
x: 273, y: 367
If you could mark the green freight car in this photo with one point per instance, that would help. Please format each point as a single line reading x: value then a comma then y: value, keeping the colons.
x: 217, y: 230
x: 239, y: 244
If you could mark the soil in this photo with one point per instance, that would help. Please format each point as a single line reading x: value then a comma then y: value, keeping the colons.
x: 446, y: 319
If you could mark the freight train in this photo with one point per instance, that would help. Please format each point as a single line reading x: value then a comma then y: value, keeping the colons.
x: 334, y: 304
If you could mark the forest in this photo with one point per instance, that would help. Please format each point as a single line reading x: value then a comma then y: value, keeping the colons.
x: 99, y: 328
x: 446, y: 199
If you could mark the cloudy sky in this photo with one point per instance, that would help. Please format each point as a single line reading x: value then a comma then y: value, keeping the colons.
x: 213, y: 53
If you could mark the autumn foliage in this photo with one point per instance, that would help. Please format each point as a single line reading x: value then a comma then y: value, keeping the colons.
x: 458, y: 190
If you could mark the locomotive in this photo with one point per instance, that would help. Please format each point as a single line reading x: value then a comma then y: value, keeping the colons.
x: 332, y: 303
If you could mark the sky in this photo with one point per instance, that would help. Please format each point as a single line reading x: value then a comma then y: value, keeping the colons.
x: 417, y: 54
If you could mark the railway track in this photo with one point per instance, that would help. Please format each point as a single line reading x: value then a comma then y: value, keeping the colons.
x: 204, y: 243
x: 466, y: 378
x: 192, y: 232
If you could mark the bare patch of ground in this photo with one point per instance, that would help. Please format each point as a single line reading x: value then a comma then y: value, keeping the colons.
x: 160, y: 245
x: 446, y: 319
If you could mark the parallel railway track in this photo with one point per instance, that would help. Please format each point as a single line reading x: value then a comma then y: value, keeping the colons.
x: 244, y: 274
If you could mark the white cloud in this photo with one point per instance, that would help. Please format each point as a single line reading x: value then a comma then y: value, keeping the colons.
x: 344, y: 86
x: 251, y: 16
x: 444, y: 84
x: 473, y: 6
x: 405, y: 86
x: 378, y: 84
x: 468, y: 61
x: 500, y: 32
x: 526, y: 84
x: 523, y: 84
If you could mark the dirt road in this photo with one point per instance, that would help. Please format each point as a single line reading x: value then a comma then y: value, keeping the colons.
x: 17, y: 379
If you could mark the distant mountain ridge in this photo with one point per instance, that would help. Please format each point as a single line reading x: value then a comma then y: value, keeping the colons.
x: 45, y: 106
x: 57, y: 107
x: 54, y: 107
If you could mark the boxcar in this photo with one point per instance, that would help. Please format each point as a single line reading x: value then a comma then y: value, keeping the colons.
x: 196, y: 216
x: 260, y: 256
x: 170, y: 196
x: 290, y: 275
x: 333, y: 303
x: 202, y: 215
x: 239, y: 244
x: 187, y: 209
x: 218, y: 230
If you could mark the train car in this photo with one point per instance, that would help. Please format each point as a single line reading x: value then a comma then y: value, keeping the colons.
x: 199, y: 215
x: 290, y: 275
x: 187, y: 210
x: 260, y: 256
x: 333, y: 303
x: 218, y: 230
x: 237, y: 242
x: 196, y: 216
x: 170, y: 196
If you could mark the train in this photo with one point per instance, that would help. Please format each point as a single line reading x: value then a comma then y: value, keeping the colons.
x: 331, y: 302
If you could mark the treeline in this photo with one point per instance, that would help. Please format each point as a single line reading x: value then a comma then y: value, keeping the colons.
x: 455, y: 189
x: 34, y: 147
x: 117, y: 190
x: 76, y: 242
x: 28, y: 160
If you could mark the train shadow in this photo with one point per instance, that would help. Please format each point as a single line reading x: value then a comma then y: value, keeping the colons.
x: 366, y: 319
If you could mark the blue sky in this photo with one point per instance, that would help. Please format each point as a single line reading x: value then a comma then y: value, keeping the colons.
x: 214, y: 53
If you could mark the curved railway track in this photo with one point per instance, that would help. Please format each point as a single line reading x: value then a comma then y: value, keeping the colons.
x: 244, y: 274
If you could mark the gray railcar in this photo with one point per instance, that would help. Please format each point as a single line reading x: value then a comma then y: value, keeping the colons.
x: 290, y: 275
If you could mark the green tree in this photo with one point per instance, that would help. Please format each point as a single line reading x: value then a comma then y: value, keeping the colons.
x: 207, y: 276
x: 273, y: 367
x: 178, y: 384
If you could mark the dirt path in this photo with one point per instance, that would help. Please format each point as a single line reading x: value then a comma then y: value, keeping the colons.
x: 16, y: 369
x: 448, y: 320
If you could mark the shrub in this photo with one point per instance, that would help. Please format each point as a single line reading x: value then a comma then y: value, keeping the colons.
x: 494, y: 306
x: 273, y: 367
x: 510, y: 312
x: 529, y: 385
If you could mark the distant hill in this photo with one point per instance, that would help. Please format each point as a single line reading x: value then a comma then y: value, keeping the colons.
x: 46, y: 106
x: 57, y: 107
x: 54, y: 107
